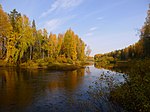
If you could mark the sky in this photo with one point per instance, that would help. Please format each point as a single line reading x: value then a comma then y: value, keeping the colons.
x: 104, y: 25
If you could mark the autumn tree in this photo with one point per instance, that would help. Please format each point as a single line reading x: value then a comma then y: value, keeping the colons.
x: 5, y: 29
x: 59, y: 44
x: 52, y: 45
x: 69, y: 45
x: 44, y: 42
x: 80, y: 48
x: 34, y: 35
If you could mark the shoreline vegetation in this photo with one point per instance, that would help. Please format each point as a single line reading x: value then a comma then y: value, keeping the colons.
x: 42, y: 64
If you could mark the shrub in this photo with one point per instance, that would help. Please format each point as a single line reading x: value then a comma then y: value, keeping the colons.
x: 134, y: 95
x: 69, y: 60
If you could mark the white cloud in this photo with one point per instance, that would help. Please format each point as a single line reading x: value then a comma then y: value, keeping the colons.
x: 93, y: 29
x: 53, y: 24
x: 61, y: 5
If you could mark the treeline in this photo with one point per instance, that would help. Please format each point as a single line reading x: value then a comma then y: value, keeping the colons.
x: 20, y: 41
x: 139, y: 50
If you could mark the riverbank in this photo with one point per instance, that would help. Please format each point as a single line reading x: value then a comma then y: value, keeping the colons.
x: 134, y: 94
x: 51, y: 66
x: 48, y: 65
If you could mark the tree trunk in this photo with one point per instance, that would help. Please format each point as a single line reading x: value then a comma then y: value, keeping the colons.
x: 30, y: 52
x: 43, y: 54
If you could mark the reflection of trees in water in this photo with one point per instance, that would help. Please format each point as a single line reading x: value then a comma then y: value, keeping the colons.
x: 118, y: 67
x: 14, y: 88
x: 3, y: 81
x: 100, y: 65
x: 69, y: 80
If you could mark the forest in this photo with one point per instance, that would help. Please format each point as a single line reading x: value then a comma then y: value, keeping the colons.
x: 20, y: 41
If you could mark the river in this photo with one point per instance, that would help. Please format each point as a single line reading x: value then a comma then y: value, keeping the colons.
x: 41, y: 90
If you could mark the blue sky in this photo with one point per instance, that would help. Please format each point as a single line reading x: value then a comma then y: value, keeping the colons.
x: 104, y: 25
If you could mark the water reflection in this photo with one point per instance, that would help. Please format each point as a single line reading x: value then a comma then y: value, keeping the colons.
x: 68, y: 80
x: 20, y: 88
x: 118, y: 67
x: 14, y: 88
x: 44, y: 90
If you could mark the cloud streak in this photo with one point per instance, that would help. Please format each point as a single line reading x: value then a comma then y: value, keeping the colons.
x: 91, y: 31
x: 55, y: 23
x: 61, y: 5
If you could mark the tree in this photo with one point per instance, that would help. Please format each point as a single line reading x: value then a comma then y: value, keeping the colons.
x: 26, y: 38
x: 59, y: 44
x: 44, y: 42
x: 73, y: 46
x: 34, y: 34
x: 145, y: 35
x: 80, y: 48
x: 69, y: 45
x: 20, y: 41
x: 14, y: 17
x: 5, y: 29
x: 52, y: 45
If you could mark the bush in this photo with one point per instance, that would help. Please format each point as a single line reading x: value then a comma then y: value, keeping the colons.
x: 135, y: 94
x: 69, y: 60
x: 49, y: 60
x: 29, y: 64
x: 61, y: 59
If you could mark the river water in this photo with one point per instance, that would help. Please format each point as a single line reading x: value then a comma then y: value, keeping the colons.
x: 42, y: 90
